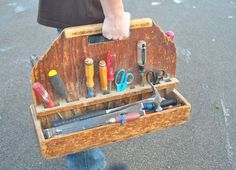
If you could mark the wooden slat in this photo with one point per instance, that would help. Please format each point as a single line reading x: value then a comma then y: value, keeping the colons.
x: 37, y: 128
x: 94, y: 29
x: 83, y: 102
x: 182, y: 98
x: 74, y: 142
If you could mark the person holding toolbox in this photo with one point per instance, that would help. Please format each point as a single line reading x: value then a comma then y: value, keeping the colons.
x: 66, y: 13
x: 61, y: 14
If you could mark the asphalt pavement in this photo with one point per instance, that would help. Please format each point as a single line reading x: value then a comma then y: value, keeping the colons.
x: 205, y: 36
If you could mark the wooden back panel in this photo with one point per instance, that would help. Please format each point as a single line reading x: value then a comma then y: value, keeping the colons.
x: 69, y: 50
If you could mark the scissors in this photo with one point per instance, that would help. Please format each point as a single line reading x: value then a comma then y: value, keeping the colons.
x: 123, y: 82
x: 155, y: 77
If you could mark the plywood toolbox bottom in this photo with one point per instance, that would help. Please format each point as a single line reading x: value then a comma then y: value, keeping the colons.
x: 59, y: 146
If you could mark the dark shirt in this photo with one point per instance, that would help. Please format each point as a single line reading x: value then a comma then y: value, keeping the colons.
x: 66, y: 13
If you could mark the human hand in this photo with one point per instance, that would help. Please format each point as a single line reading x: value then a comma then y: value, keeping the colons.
x: 116, y: 27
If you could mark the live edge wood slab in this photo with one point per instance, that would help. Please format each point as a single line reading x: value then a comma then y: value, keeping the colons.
x: 67, y: 54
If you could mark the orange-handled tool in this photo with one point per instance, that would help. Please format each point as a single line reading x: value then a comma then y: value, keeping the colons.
x: 103, y: 76
x: 89, y: 73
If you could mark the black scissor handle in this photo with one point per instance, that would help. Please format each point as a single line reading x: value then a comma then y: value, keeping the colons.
x: 150, y: 77
x: 155, y: 77
x: 160, y: 76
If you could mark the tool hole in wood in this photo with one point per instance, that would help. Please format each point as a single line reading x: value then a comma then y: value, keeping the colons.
x: 87, y: 97
x: 132, y: 87
x: 99, y: 38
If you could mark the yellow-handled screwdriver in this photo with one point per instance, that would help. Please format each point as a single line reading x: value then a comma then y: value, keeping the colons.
x: 89, y: 73
x: 103, y: 76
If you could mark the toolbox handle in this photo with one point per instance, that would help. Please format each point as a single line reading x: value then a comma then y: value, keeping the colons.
x: 96, y: 29
x: 92, y: 39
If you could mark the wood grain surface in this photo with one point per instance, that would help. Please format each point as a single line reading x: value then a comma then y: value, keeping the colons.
x: 59, y: 146
x: 67, y: 55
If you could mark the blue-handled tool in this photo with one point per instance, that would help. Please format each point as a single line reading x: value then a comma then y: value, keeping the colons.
x: 124, y: 81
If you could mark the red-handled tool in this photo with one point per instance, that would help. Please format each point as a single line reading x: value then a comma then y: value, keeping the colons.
x: 42, y: 94
x: 111, y: 68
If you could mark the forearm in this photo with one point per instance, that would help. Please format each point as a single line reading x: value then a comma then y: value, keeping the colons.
x: 112, y: 8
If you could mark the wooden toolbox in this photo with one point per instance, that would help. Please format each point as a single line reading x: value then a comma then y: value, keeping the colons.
x: 67, y: 55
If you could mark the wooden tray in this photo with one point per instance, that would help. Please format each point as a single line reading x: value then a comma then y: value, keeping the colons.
x: 67, y: 55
